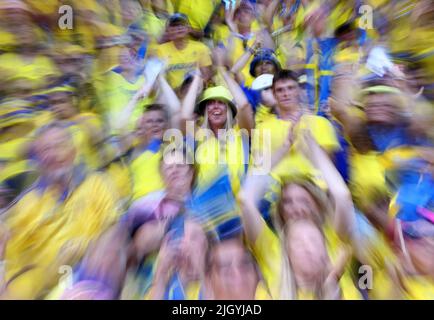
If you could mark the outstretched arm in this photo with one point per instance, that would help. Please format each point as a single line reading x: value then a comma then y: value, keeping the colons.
x: 269, y: 13
x: 254, y: 187
x: 341, y: 99
x: 172, y: 101
x: 244, y: 59
x: 344, y: 212
x: 189, y: 102
x: 122, y: 123
x: 245, y: 112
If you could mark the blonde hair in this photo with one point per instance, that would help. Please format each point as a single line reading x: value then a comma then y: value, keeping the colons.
x: 288, y: 287
x: 230, y: 121
x: 228, y: 125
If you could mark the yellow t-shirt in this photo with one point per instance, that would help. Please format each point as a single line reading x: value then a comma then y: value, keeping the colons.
x: 180, y: 62
x: 145, y: 173
x: 115, y: 93
x: 378, y: 252
x: 37, y: 71
x: 47, y: 233
x: 367, y: 176
x: 198, y: 11
x: 268, y: 253
x: 237, y: 48
x: 294, y: 163
x: 7, y: 40
x: 262, y: 114
x: 419, y: 288
x: 213, y: 157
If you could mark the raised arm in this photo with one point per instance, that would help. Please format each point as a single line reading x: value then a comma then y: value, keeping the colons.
x: 229, y: 18
x: 341, y: 100
x: 244, y: 59
x: 124, y: 117
x: 269, y: 13
x: 171, y: 100
x: 253, y: 191
x: 344, y: 213
x: 245, y: 112
x: 189, y: 102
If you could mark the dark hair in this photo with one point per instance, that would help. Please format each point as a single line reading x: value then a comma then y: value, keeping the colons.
x: 284, y: 74
x: 157, y: 107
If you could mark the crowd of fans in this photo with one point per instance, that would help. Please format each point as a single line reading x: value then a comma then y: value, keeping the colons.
x: 207, y: 149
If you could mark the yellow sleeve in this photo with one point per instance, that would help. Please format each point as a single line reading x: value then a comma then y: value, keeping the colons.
x: 268, y: 254
x: 323, y: 132
x: 89, y: 222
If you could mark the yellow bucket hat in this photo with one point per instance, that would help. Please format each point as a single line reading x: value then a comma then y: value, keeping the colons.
x: 400, y: 98
x: 219, y: 93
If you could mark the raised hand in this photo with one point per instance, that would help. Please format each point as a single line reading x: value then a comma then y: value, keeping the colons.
x: 219, y: 56
x: 229, y: 18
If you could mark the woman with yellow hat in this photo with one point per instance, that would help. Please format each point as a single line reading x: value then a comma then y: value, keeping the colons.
x: 221, y: 142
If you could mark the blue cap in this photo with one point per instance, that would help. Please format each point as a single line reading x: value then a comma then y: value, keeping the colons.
x: 178, y: 17
x: 263, y: 55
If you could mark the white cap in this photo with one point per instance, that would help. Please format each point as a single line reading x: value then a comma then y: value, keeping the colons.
x: 262, y: 82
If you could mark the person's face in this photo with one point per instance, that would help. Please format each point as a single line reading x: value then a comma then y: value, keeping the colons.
x: 244, y: 17
x: 193, y: 250
x: 217, y: 113
x: 55, y: 152
x: 297, y: 203
x: 287, y: 94
x: 62, y: 106
x: 265, y: 67
x: 177, y: 175
x: 318, y: 22
x: 380, y: 109
x: 152, y: 125
x: 306, y: 249
x: 177, y: 31
x: 233, y: 273
x: 267, y: 97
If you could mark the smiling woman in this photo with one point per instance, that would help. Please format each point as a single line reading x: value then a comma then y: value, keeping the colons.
x: 220, y: 145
